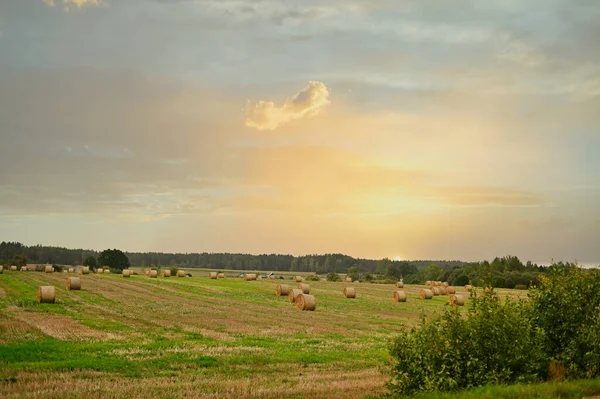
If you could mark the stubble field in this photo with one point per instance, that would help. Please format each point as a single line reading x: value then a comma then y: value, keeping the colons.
x: 196, y: 337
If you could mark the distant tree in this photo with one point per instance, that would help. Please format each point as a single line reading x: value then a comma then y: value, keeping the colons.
x: 20, y: 260
x: 114, y: 258
x: 353, y: 273
x: 333, y: 277
x: 91, y: 262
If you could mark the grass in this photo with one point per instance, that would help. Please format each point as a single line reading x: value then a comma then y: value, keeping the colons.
x: 181, y: 337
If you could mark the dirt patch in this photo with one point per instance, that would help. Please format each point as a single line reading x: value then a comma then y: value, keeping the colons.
x: 62, y: 327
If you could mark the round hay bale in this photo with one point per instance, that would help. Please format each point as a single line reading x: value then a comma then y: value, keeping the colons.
x: 399, y: 284
x: 126, y: 273
x: 458, y: 300
x: 450, y: 290
x: 1, y: 269
x: 271, y: 277
x: 153, y: 274
x: 428, y: 282
x: 443, y: 290
x: 85, y: 270
x: 445, y: 284
x: 438, y: 283
x: 13, y: 268
x: 282, y: 289
x: 294, y: 294
x: 71, y: 270
x: 468, y: 287
x: 106, y: 271
x: 250, y: 277
x: 426, y: 294
x: 212, y: 275
x: 73, y: 283
x: 47, y: 269
x: 304, y: 287
x: 306, y: 302
x: 348, y: 279
x: 46, y: 294
x: 221, y: 275
x: 298, y: 279
x: 349, y: 292
x: 180, y: 273
x: 436, y: 291
x: 400, y: 296
x: 23, y: 268
x: 166, y: 273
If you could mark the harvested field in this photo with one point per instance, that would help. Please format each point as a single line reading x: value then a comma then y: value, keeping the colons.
x: 141, y: 337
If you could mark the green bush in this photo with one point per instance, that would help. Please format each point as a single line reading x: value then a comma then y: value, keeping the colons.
x: 566, y: 305
x: 493, y: 343
x: 333, y: 277
x: 314, y: 277
x: 58, y: 268
x: 462, y: 279
x: 174, y: 270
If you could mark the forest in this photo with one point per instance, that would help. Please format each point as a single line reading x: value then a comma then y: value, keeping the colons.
x: 502, y: 272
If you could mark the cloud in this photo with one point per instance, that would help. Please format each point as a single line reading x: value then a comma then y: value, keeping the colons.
x: 308, y: 102
x: 76, y: 3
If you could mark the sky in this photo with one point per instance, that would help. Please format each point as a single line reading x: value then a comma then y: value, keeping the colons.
x: 411, y: 129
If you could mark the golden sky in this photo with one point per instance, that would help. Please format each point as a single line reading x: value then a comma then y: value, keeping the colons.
x: 375, y: 129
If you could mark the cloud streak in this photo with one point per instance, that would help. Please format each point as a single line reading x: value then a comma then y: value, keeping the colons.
x: 308, y: 102
x: 76, y: 3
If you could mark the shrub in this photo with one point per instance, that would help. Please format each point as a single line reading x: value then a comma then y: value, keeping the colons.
x: 58, y: 268
x: 368, y: 277
x: 462, y: 279
x: 314, y: 277
x: 566, y: 305
x: 493, y: 343
x: 520, y: 287
x: 174, y: 270
x: 333, y: 277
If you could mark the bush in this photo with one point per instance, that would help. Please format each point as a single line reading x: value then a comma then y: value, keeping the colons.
x: 333, y: 277
x: 314, y: 277
x: 520, y: 287
x: 368, y: 277
x: 174, y: 270
x: 493, y: 343
x: 462, y: 279
x: 566, y: 305
x: 58, y: 268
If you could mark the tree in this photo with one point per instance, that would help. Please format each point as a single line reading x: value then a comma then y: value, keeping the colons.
x: 114, y: 258
x: 91, y: 262
x: 353, y: 273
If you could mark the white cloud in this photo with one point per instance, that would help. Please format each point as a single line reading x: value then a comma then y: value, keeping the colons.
x: 308, y: 102
x: 76, y: 3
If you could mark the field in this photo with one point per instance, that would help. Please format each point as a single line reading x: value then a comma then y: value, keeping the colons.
x: 197, y: 337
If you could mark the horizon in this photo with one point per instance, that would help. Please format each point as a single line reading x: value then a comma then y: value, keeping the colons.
x: 379, y: 129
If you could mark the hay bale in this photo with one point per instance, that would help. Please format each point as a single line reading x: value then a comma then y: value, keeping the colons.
x: 298, y: 279
x: 212, y: 275
x: 84, y: 270
x: 166, y: 273
x: 468, y: 287
x: 304, y: 287
x: 106, y: 271
x: 399, y: 284
x: 450, y: 290
x: 153, y: 274
x: 294, y: 294
x: 348, y: 279
x: 436, y: 291
x: 443, y: 290
x: 23, y: 268
x: 400, y: 296
x: 46, y: 294
x: 181, y: 273
x: 126, y: 273
x: 221, y: 275
x: 282, y: 289
x: 47, y: 269
x: 438, y: 283
x: 1, y: 269
x: 426, y: 294
x: 71, y: 270
x: 73, y: 283
x: 250, y: 277
x: 349, y: 292
x: 445, y: 284
x: 457, y: 300
x: 306, y: 302
x: 428, y: 283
